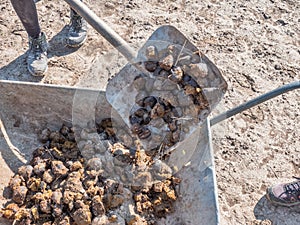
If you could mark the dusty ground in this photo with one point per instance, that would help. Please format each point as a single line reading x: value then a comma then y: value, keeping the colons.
x: 256, y: 46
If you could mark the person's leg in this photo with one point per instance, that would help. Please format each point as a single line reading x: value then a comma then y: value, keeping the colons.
x: 37, y: 55
x: 26, y: 10
x: 77, y: 33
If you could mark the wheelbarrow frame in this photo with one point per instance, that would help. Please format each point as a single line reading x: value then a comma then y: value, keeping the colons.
x: 22, y: 98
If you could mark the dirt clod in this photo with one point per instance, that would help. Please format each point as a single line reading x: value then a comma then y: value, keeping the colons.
x: 59, y: 188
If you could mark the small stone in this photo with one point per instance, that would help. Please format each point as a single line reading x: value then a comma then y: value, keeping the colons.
x: 25, y: 171
x: 158, y: 111
x: 176, y: 180
x: 65, y: 130
x: 167, y: 63
x: 58, y: 168
x: 44, y: 135
x: 150, y: 66
x: 56, y: 196
x: 149, y: 102
x: 151, y: 52
x: 171, y: 195
x: 171, y: 49
x: 76, y: 166
x: 10, y: 210
x: 101, y: 146
x: 73, y: 183
x: 173, y: 126
x: 82, y: 216
x: 158, y: 187
x: 19, y: 194
x: 34, y: 184
x: 177, y: 74
x: 98, y: 208
x: 48, y: 176
x: 135, y: 119
x: 282, y: 22
x: 94, y: 164
x: 146, y: 205
x: 40, y: 168
x: 140, y: 112
x: 100, y: 220
x: 190, y: 90
x: 113, y: 218
x: 57, y: 211
x: 277, y: 67
x: 45, y: 206
x: 175, y: 136
x: 56, y: 137
x: 139, y: 82
x: 15, y: 181
x: 161, y: 170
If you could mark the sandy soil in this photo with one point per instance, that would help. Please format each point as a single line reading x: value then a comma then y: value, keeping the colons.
x: 254, y: 43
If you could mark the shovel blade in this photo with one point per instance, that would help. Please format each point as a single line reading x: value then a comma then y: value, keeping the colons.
x: 190, y: 98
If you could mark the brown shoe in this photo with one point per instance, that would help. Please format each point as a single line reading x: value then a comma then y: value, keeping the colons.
x: 287, y: 194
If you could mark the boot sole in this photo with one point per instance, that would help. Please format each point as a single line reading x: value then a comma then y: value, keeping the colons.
x: 281, y: 203
x: 77, y: 45
x: 38, y: 74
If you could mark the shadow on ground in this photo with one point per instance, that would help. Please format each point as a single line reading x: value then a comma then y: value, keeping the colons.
x: 58, y: 46
x: 278, y: 215
x: 17, y: 69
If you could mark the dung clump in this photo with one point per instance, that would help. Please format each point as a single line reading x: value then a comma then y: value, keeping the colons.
x: 59, y: 186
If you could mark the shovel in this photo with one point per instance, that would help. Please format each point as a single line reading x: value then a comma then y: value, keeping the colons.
x: 164, y: 93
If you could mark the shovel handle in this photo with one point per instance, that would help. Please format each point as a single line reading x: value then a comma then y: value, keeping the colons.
x: 102, y: 28
x: 255, y: 101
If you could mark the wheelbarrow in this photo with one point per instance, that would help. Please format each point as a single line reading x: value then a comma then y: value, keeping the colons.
x: 27, y: 108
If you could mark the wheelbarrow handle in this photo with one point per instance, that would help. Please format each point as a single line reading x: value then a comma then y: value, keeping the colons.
x: 101, y: 27
x: 254, y: 102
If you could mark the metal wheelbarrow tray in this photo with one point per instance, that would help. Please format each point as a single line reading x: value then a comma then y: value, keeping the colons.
x: 27, y: 108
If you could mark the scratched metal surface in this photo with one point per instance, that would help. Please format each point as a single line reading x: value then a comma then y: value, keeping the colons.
x: 27, y: 108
